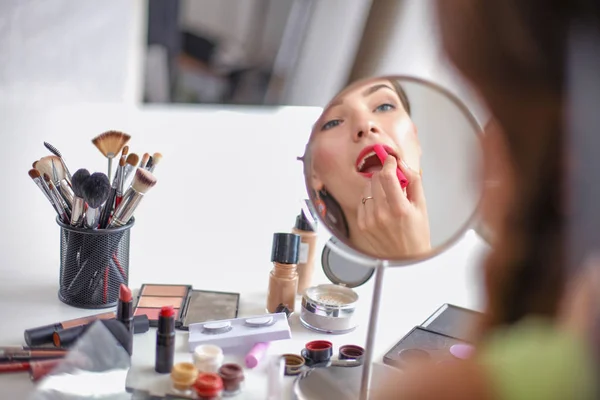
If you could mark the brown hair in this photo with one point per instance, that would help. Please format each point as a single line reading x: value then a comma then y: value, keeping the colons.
x: 513, y: 51
x: 334, y: 215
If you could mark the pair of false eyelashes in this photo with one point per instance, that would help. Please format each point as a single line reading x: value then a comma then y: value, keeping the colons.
x: 218, y: 328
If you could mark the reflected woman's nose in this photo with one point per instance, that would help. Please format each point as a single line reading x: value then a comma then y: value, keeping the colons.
x: 364, y: 128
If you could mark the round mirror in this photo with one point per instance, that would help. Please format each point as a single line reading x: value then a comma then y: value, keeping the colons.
x: 391, y: 169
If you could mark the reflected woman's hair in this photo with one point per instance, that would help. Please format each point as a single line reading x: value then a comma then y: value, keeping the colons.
x: 327, y: 205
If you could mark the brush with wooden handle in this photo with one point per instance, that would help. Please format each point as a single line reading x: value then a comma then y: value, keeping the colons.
x: 110, y: 145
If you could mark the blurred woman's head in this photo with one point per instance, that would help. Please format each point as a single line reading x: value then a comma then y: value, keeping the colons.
x: 514, y: 53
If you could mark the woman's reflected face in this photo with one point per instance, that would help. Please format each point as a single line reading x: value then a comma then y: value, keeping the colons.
x: 341, y: 146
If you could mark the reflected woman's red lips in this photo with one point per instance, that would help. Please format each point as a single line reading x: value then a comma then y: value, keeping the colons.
x: 368, y: 153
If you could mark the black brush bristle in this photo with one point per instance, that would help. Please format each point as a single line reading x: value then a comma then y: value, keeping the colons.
x: 96, y: 189
x: 52, y: 149
x: 150, y: 162
x: 77, y: 181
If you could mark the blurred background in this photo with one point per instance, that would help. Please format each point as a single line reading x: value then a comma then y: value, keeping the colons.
x: 249, y: 52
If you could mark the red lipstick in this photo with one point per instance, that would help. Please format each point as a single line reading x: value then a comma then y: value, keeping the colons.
x: 125, y: 311
x: 165, y: 341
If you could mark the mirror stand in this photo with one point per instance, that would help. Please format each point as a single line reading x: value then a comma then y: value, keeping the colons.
x: 372, y: 329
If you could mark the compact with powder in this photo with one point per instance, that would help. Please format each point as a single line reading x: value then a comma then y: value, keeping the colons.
x: 421, y: 344
x: 191, y: 306
x: 330, y: 308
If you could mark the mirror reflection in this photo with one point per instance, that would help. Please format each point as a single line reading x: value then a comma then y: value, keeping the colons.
x: 391, y: 165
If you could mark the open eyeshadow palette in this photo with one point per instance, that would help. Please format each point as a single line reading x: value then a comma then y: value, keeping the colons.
x: 191, y: 306
x: 443, y: 337
x: 454, y: 321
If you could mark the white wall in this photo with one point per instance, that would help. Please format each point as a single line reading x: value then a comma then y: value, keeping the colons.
x: 54, y: 51
x: 405, y: 40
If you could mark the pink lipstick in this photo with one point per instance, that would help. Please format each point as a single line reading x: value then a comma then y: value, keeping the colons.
x: 371, y: 159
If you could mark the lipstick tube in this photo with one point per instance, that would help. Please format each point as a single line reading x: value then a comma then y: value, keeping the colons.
x: 43, y: 334
x: 131, y: 199
x: 125, y: 312
x: 68, y: 337
x: 165, y: 341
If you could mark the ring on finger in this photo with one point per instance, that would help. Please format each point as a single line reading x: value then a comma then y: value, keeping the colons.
x: 365, y: 199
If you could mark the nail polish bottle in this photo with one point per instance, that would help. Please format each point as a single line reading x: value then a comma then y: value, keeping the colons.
x: 306, y: 256
x: 283, y: 279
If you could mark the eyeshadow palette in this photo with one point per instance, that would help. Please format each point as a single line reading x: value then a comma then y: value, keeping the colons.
x: 421, y: 344
x: 191, y: 306
x: 240, y: 332
x: 454, y: 321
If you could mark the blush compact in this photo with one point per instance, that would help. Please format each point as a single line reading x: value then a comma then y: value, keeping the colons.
x: 191, y: 306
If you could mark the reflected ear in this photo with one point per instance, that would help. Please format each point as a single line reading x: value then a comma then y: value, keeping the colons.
x: 315, y: 182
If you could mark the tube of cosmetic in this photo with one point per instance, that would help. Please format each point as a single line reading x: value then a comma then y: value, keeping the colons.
x: 256, y: 354
x: 165, y: 341
x: 68, y: 337
x: 43, y: 334
x: 125, y: 311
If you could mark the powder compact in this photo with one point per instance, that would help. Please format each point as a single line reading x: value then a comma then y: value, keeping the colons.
x: 421, y: 345
x: 329, y: 308
x: 191, y: 306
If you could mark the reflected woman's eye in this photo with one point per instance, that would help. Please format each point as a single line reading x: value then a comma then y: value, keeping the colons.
x: 385, y: 107
x: 331, y: 124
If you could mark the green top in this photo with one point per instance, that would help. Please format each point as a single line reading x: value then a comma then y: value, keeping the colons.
x: 534, y: 360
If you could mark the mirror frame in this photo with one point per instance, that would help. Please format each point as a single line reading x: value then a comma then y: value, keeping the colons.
x: 474, y: 221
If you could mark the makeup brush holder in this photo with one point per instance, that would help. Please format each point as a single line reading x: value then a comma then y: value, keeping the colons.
x: 93, y: 265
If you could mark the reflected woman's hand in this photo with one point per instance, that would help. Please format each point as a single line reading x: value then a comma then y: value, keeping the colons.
x: 395, y: 221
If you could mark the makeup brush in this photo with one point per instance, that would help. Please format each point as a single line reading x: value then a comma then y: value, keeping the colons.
x: 111, y: 203
x: 65, y: 190
x: 120, y: 182
x: 96, y: 189
x: 144, y: 161
x: 57, y: 153
x: 143, y: 181
x: 155, y: 160
x: 130, y: 166
x: 79, y: 178
x: 37, y: 178
x: 56, y: 198
x: 110, y: 144
x: 44, y: 165
x: 149, y: 164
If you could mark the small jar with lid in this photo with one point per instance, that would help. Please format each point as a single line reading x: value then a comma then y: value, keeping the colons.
x: 233, y: 378
x: 208, y: 358
x: 330, y: 308
x: 183, y: 376
x: 283, y: 279
x: 208, y: 386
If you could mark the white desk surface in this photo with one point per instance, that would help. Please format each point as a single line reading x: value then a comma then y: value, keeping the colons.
x: 229, y: 179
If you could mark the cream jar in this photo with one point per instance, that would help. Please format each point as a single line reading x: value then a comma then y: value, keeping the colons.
x: 208, y: 358
x: 330, y: 308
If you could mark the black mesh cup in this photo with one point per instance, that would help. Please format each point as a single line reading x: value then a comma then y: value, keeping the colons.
x: 93, y: 265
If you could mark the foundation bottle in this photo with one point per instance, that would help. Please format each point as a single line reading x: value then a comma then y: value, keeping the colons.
x: 283, y: 279
x: 306, y: 255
